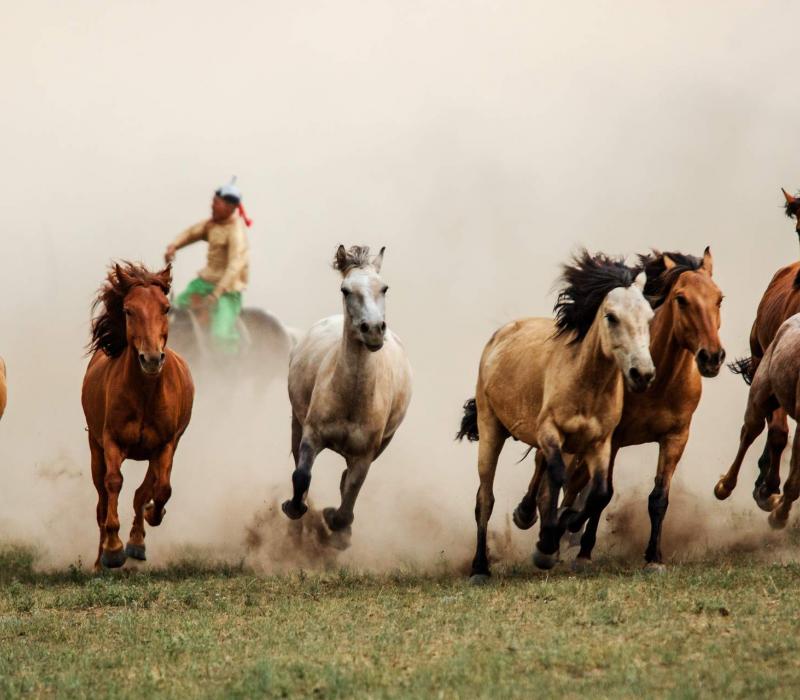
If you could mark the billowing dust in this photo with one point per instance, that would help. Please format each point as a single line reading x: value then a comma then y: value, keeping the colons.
x: 482, y: 143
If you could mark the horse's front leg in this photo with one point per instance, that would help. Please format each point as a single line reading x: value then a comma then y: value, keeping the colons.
x: 545, y: 555
x: 161, y: 488
x: 98, y: 477
x: 669, y: 454
x: 589, y: 537
x: 135, y: 547
x: 768, y: 482
x: 791, y: 489
x: 340, y: 519
x: 754, y: 419
x: 112, y: 553
x: 524, y: 515
x: 307, y: 452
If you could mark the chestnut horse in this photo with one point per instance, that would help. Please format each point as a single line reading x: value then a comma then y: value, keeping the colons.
x: 780, y: 301
x: 350, y: 387
x: 776, y: 384
x: 685, y: 345
x: 557, y: 385
x: 137, y: 397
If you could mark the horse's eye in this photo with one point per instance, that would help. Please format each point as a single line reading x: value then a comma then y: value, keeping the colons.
x: 127, y: 312
x: 682, y: 302
x: 612, y: 319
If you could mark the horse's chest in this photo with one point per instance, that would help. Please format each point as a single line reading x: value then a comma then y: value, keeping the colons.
x: 140, y: 435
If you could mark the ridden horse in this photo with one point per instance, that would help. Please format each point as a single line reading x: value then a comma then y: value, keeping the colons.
x: 776, y: 384
x: 557, y: 385
x: 137, y: 397
x: 781, y: 300
x: 349, y: 385
x: 684, y: 345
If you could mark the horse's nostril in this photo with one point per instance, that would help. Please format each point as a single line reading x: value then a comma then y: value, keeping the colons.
x: 635, y: 374
x: 141, y: 357
x: 383, y: 326
x: 163, y: 355
x: 364, y: 328
x: 703, y: 355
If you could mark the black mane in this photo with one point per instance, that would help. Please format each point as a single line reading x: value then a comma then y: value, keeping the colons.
x: 660, y: 280
x: 588, y: 279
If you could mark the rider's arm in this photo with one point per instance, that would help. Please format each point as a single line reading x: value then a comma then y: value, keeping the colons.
x: 237, y: 259
x: 190, y: 235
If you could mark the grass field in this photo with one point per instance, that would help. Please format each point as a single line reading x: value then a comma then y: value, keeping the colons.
x: 726, y: 627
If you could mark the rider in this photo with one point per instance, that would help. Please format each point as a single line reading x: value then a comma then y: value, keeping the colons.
x: 225, y: 275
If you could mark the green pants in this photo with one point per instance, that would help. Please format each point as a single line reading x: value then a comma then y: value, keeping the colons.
x: 223, y: 315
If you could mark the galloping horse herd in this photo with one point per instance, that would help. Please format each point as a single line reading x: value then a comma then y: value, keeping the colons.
x: 620, y: 364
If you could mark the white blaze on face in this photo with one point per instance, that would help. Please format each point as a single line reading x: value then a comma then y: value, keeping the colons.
x: 364, y: 297
x: 626, y: 326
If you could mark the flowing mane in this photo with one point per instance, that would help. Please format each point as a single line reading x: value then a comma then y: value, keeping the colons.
x: 357, y: 256
x: 108, y: 327
x: 588, y: 279
x: 660, y: 280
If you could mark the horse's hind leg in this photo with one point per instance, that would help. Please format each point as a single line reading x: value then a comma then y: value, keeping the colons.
x: 161, y: 466
x: 135, y: 547
x: 98, y: 477
x: 301, y: 478
x: 492, y: 438
x: 791, y: 489
x: 768, y: 482
x: 524, y: 515
x: 297, y: 435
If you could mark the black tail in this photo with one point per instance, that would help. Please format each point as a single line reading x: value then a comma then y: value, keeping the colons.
x: 743, y: 366
x: 469, y: 423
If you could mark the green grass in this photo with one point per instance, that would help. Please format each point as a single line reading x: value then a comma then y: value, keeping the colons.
x: 725, y: 627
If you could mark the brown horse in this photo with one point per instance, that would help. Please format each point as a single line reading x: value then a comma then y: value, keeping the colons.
x: 137, y: 397
x: 685, y: 345
x: 780, y: 301
x: 558, y: 386
x: 776, y: 384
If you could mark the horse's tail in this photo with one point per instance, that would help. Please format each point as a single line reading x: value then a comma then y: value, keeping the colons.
x: 469, y: 423
x: 743, y: 366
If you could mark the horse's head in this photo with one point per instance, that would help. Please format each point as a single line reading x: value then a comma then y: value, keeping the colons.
x: 684, y: 283
x: 363, y: 295
x: 792, y: 207
x: 135, y: 315
x: 605, y: 293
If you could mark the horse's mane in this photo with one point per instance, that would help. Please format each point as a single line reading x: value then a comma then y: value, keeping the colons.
x: 588, y: 279
x: 356, y: 256
x: 791, y: 208
x: 108, y: 327
x: 660, y: 280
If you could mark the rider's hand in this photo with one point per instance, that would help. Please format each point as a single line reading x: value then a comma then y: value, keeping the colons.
x: 169, y: 256
x: 211, y: 300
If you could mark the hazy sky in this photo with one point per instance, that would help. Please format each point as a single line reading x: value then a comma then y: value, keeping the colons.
x: 481, y: 142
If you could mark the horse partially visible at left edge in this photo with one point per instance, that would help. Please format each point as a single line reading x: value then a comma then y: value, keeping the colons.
x: 137, y: 397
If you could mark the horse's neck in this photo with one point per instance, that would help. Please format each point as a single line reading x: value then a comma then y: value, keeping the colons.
x: 669, y: 356
x: 355, y: 367
x: 595, y: 369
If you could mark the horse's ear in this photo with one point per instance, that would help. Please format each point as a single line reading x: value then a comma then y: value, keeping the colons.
x: 165, y: 278
x: 378, y: 261
x: 789, y: 198
x: 123, y: 278
x: 708, y: 261
x: 641, y: 281
x: 340, y: 263
x: 669, y: 263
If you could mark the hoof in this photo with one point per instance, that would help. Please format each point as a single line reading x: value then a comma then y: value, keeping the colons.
x: 775, y: 522
x: 341, y: 539
x: 544, y: 561
x: 112, y: 560
x: 721, y: 490
x: 655, y: 567
x: 334, y: 521
x: 522, y: 520
x: 581, y: 565
x: 294, y: 513
x: 480, y: 580
x: 153, y: 519
x: 135, y: 551
x: 772, y: 502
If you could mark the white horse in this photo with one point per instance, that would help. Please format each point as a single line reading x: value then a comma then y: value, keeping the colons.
x: 349, y: 385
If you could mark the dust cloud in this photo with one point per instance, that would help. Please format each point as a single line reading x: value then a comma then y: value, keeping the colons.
x: 480, y: 142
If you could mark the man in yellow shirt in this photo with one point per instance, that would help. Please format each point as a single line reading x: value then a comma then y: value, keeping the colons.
x: 225, y: 275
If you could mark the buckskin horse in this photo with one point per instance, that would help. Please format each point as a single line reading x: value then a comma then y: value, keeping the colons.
x: 137, y: 397
x: 349, y: 386
x: 557, y: 385
x: 780, y: 301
